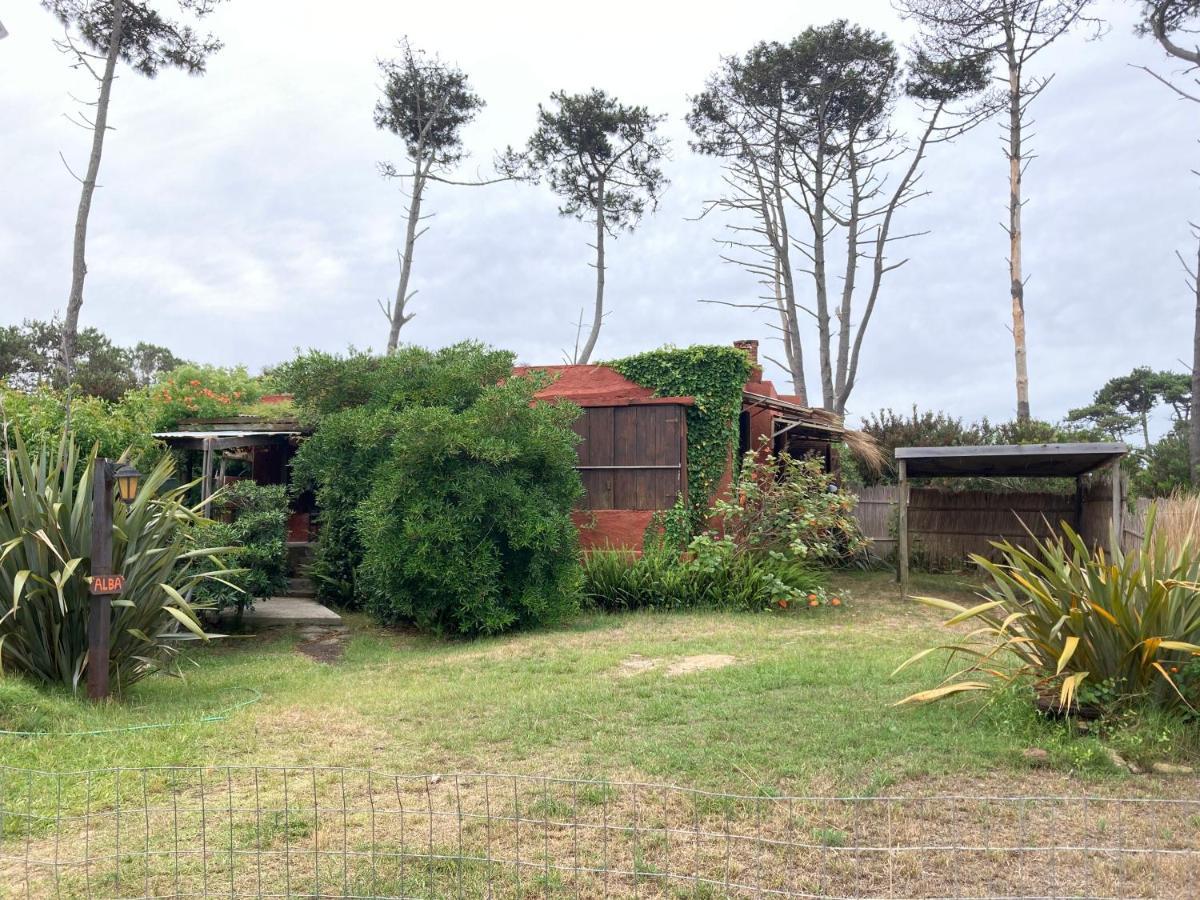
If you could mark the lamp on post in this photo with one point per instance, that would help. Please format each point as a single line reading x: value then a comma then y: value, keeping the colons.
x: 106, y: 474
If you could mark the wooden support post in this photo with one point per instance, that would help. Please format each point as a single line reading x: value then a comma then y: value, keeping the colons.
x: 100, y: 606
x: 206, y: 477
x: 1117, y: 519
x: 902, y: 535
x: 1079, y: 505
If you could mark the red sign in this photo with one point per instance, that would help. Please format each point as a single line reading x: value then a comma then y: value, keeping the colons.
x: 108, y: 584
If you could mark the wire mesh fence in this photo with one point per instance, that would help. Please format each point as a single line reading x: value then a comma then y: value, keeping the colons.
x: 334, y: 832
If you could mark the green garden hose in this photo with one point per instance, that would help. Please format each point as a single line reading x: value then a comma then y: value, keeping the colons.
x: 219, y: 716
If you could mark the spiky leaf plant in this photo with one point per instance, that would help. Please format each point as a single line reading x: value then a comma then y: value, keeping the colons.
x: 45, y: 538
x: 1070, y: 620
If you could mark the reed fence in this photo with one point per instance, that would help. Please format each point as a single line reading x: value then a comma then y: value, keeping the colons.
x: 946, y: 527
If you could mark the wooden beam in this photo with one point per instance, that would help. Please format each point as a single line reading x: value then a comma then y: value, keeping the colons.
x: 230, y: 443
x: 902, y: 537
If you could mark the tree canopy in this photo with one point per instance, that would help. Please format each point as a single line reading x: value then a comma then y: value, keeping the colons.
x: 31, y: 358
x: 426, y: 103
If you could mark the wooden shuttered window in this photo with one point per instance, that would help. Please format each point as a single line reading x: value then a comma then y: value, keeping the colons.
x: 632, y: 457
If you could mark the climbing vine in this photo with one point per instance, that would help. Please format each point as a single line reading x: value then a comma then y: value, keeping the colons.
x: 714, y: 377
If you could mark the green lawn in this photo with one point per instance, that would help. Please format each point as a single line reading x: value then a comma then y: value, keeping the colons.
x: 803, y: 706
x: 806, y: 707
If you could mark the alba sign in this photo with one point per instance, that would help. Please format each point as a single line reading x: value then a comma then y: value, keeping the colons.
x: 107, y: 584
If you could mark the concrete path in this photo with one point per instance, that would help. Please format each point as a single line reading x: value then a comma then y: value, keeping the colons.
x: 289, y: 611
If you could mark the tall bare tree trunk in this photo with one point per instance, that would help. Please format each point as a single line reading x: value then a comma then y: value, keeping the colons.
x: 818, y: 261
x: 1194, y: 413
x: 1014, y: 230
x: 846, y: 307
x: 598, y: 315
x: 78, y: 257
x: 785, y: 279
x: 396, y: 314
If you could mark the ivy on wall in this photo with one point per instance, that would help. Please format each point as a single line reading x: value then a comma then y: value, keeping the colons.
x: 714, y: 377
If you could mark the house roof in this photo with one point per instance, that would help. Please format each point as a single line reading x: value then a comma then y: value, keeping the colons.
x: 596, y: 385
x: 1021, y: 460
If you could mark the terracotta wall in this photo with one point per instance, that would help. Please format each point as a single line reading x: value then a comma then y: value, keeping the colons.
x: 607, y: 528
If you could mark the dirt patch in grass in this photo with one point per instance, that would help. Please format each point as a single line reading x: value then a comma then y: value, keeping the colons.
x: 636, y: 665
x: 325, y: 645
x: 700, y: 663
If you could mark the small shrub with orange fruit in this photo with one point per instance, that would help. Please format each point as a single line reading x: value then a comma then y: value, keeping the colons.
x: 814, y: 598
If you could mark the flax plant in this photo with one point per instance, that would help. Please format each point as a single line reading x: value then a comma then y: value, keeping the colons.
x: 1068, y: 619
x: 45, y: 538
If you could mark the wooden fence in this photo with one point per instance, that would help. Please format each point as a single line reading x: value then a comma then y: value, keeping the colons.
x: 945, y: 527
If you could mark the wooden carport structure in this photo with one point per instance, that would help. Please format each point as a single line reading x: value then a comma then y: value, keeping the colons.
x: 255, y: 435
x: 1006, y: 460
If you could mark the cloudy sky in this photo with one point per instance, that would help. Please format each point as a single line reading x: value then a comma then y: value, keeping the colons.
x: 242, y: 216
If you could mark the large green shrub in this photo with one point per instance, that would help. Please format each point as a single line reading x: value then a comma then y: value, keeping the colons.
x: 257, y: 532
x: 444, y: 491
x: 1075, y: 623
x: 194, y: 391
x: 114, y: 428
x: 467, y: 529
x: 45, y: 539
x: 352, y: 402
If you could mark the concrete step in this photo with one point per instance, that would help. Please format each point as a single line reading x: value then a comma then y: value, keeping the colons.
x: 299, y: 556
x: 301, y: 587
x: 288, y: 611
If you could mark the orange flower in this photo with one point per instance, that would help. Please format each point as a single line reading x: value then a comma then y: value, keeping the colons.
x: 194, y: 382
x: 814, y: 602
x: 783, y: 604
x: 812, y: 596
x: 835, y: 602
x: 1174, y: 670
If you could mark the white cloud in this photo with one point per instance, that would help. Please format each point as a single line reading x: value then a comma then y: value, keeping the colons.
x: 242, y: 216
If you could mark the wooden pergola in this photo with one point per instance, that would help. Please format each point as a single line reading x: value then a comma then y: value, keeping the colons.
x: 1006, y: 460
x: 211, y: 437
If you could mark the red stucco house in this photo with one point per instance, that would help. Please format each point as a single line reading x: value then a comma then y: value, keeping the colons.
x: 632, y: 452
x: 633, y: 447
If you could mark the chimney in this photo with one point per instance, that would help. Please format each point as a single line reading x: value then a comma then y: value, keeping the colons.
x: 751, y: 348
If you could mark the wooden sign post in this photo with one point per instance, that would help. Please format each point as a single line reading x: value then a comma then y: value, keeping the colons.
x: 103, y: 580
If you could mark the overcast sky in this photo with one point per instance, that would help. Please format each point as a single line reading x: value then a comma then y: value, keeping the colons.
x: 242, y: 216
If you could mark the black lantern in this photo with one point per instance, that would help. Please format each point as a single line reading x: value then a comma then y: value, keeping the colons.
x: 127, y: 478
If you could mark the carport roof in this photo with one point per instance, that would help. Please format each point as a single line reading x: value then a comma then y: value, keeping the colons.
x: 1020, y: 460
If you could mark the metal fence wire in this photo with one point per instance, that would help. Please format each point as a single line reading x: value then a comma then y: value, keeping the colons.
x: 332, y: 832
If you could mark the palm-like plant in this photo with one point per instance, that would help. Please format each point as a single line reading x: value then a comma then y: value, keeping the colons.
x: 45, y: 537
x: 1067, y: 618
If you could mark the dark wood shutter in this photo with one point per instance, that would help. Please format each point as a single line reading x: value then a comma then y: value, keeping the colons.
x: 632, y: 457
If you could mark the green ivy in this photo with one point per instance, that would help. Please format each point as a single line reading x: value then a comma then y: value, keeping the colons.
x: 714, y: 377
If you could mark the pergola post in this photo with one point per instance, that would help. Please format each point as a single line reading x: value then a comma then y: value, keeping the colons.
x: 1117, y: 524
x: 902, y: 530
x: 206, y: 479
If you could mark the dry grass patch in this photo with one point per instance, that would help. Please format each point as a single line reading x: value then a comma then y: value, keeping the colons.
x: 333, y: 832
